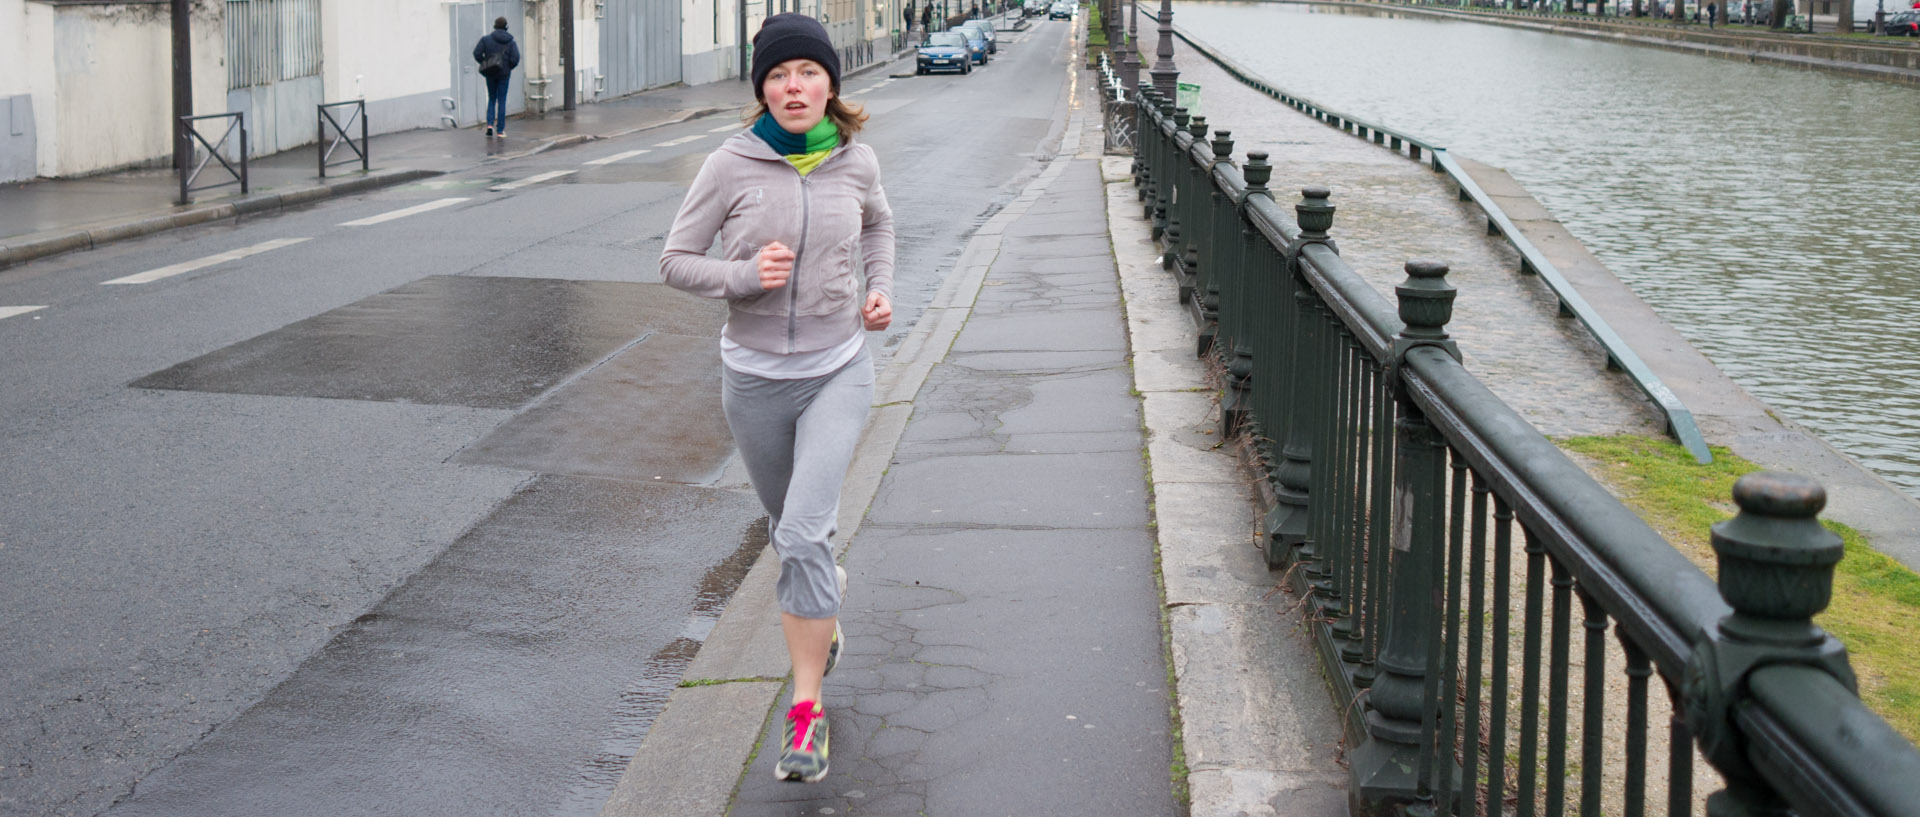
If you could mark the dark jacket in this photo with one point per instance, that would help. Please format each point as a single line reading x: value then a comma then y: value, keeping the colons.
x: 498, y: 42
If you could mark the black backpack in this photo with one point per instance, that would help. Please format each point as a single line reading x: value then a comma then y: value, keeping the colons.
x: 495, y: 59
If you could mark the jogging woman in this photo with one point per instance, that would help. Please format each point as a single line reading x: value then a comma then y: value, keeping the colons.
x: 805, y: 262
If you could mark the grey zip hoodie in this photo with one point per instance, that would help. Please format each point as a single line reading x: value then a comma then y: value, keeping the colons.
x: 751, y: 196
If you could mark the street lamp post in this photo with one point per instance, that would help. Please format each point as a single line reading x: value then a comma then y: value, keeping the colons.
x: 1130, y: 61
x: 1166, y: 78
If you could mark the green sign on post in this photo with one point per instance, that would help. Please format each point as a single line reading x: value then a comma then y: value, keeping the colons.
x: 1188, y: 97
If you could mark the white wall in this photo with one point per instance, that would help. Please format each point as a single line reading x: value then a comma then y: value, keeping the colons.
x: 26, y: 91
x: 586, y: 51
x: 705, y: 57
x: 17, y: 19
x: 384, y: 49
x: 111, y: 76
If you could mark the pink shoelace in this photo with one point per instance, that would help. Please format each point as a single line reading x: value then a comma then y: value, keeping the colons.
x: 802, y: 715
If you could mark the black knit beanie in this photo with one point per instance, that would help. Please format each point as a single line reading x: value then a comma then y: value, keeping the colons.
x: 792, y: 36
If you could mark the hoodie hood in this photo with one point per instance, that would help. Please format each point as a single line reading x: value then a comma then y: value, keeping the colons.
x: 500, y: 35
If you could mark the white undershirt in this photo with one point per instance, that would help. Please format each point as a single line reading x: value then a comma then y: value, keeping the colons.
x: 796, y: 366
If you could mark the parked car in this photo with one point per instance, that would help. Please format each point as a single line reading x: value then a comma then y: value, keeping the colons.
x: 992, y: 29
x: 986, y: 33
x: 1060, y: 11
x: 976, y: 42
x: 944, y: 51
x: 1904, y: 24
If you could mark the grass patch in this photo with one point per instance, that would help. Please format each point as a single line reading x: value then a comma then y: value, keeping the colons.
x: 1876, y: 600
x: 1096, y: 33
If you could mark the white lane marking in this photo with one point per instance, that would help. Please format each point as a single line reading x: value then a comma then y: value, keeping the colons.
x: 532, y: 180
x: 617, y: 157
x: 725, y: 128
x: 404, y: 212
x: 202, y: 263
x: 10, y: 311
x: 681, y: 141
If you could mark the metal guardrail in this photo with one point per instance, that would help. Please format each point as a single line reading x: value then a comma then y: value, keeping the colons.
x: 1680, y: 421
x: 197, y: 142
x: 1396, y: 482
x: 342, y: 134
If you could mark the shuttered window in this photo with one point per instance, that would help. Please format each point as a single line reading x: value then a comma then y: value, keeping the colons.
x: 271, y: 40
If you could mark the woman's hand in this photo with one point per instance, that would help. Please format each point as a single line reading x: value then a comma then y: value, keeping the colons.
x: 878, y: 312
x: 776, y: 265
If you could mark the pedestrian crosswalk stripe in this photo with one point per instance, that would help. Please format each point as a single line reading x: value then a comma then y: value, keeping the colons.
x: 202, y: 263
x: 404, y: 212
x: 10, y: 311
x: 617, y: 157
x: 727, y: 127
x: 680, y: 141
x: 532, y: 180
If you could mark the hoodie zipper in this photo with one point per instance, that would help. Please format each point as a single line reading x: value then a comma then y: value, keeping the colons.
x: 793, y: 280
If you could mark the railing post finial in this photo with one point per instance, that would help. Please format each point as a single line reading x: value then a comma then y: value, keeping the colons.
x: 1426, y: 303
x: 1222, y: 146
x: 1197, y: 127
x: 1315, y: 216
x: 1776, y: 572
x: 1257, y: 173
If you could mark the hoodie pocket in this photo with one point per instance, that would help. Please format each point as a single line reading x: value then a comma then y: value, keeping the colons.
x: 843, y: 284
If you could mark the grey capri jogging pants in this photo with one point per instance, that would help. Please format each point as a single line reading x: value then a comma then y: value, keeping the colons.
x: 796, y: 438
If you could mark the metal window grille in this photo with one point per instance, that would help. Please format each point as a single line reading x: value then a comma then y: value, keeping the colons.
x: 272, y: 40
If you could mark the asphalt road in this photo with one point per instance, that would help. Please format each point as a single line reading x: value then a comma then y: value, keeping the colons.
x: 414, y: 502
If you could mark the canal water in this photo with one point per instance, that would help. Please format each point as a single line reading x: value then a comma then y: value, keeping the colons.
x: 1771, y: 214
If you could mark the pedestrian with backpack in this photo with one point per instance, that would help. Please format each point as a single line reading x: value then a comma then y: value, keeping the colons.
x: 497, y: 55
x: 805, y: 263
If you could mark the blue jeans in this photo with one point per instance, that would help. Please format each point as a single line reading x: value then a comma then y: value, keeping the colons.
x: 497, y: 102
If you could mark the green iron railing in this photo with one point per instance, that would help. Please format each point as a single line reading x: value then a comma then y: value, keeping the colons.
x: 1418, y: 515
x: 1620, y: 356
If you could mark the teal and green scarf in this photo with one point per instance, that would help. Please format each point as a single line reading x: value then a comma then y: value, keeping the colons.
x: 805, y: 150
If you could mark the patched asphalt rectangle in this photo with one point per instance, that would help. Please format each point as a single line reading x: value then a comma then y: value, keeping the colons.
x: 650, y: 413
x: 484, y: 342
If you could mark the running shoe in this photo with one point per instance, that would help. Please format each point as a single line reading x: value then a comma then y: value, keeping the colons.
x: 803, y: 753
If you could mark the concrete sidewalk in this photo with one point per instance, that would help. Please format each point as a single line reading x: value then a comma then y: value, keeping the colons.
x: 50, y: 216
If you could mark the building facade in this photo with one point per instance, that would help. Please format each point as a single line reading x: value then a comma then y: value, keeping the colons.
x: 93, y: 90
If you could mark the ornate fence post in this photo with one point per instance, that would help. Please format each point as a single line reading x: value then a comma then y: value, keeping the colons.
x: 1287, y: 523
x: 1166, y: 172
x: 1385, y: 771
x: 1776, y: 572
x: 1238, y: 357
x: 1196, y: 253
x: 1176, y: 172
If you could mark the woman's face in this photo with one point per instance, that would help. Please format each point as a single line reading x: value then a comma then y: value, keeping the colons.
x: 797, y: 92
